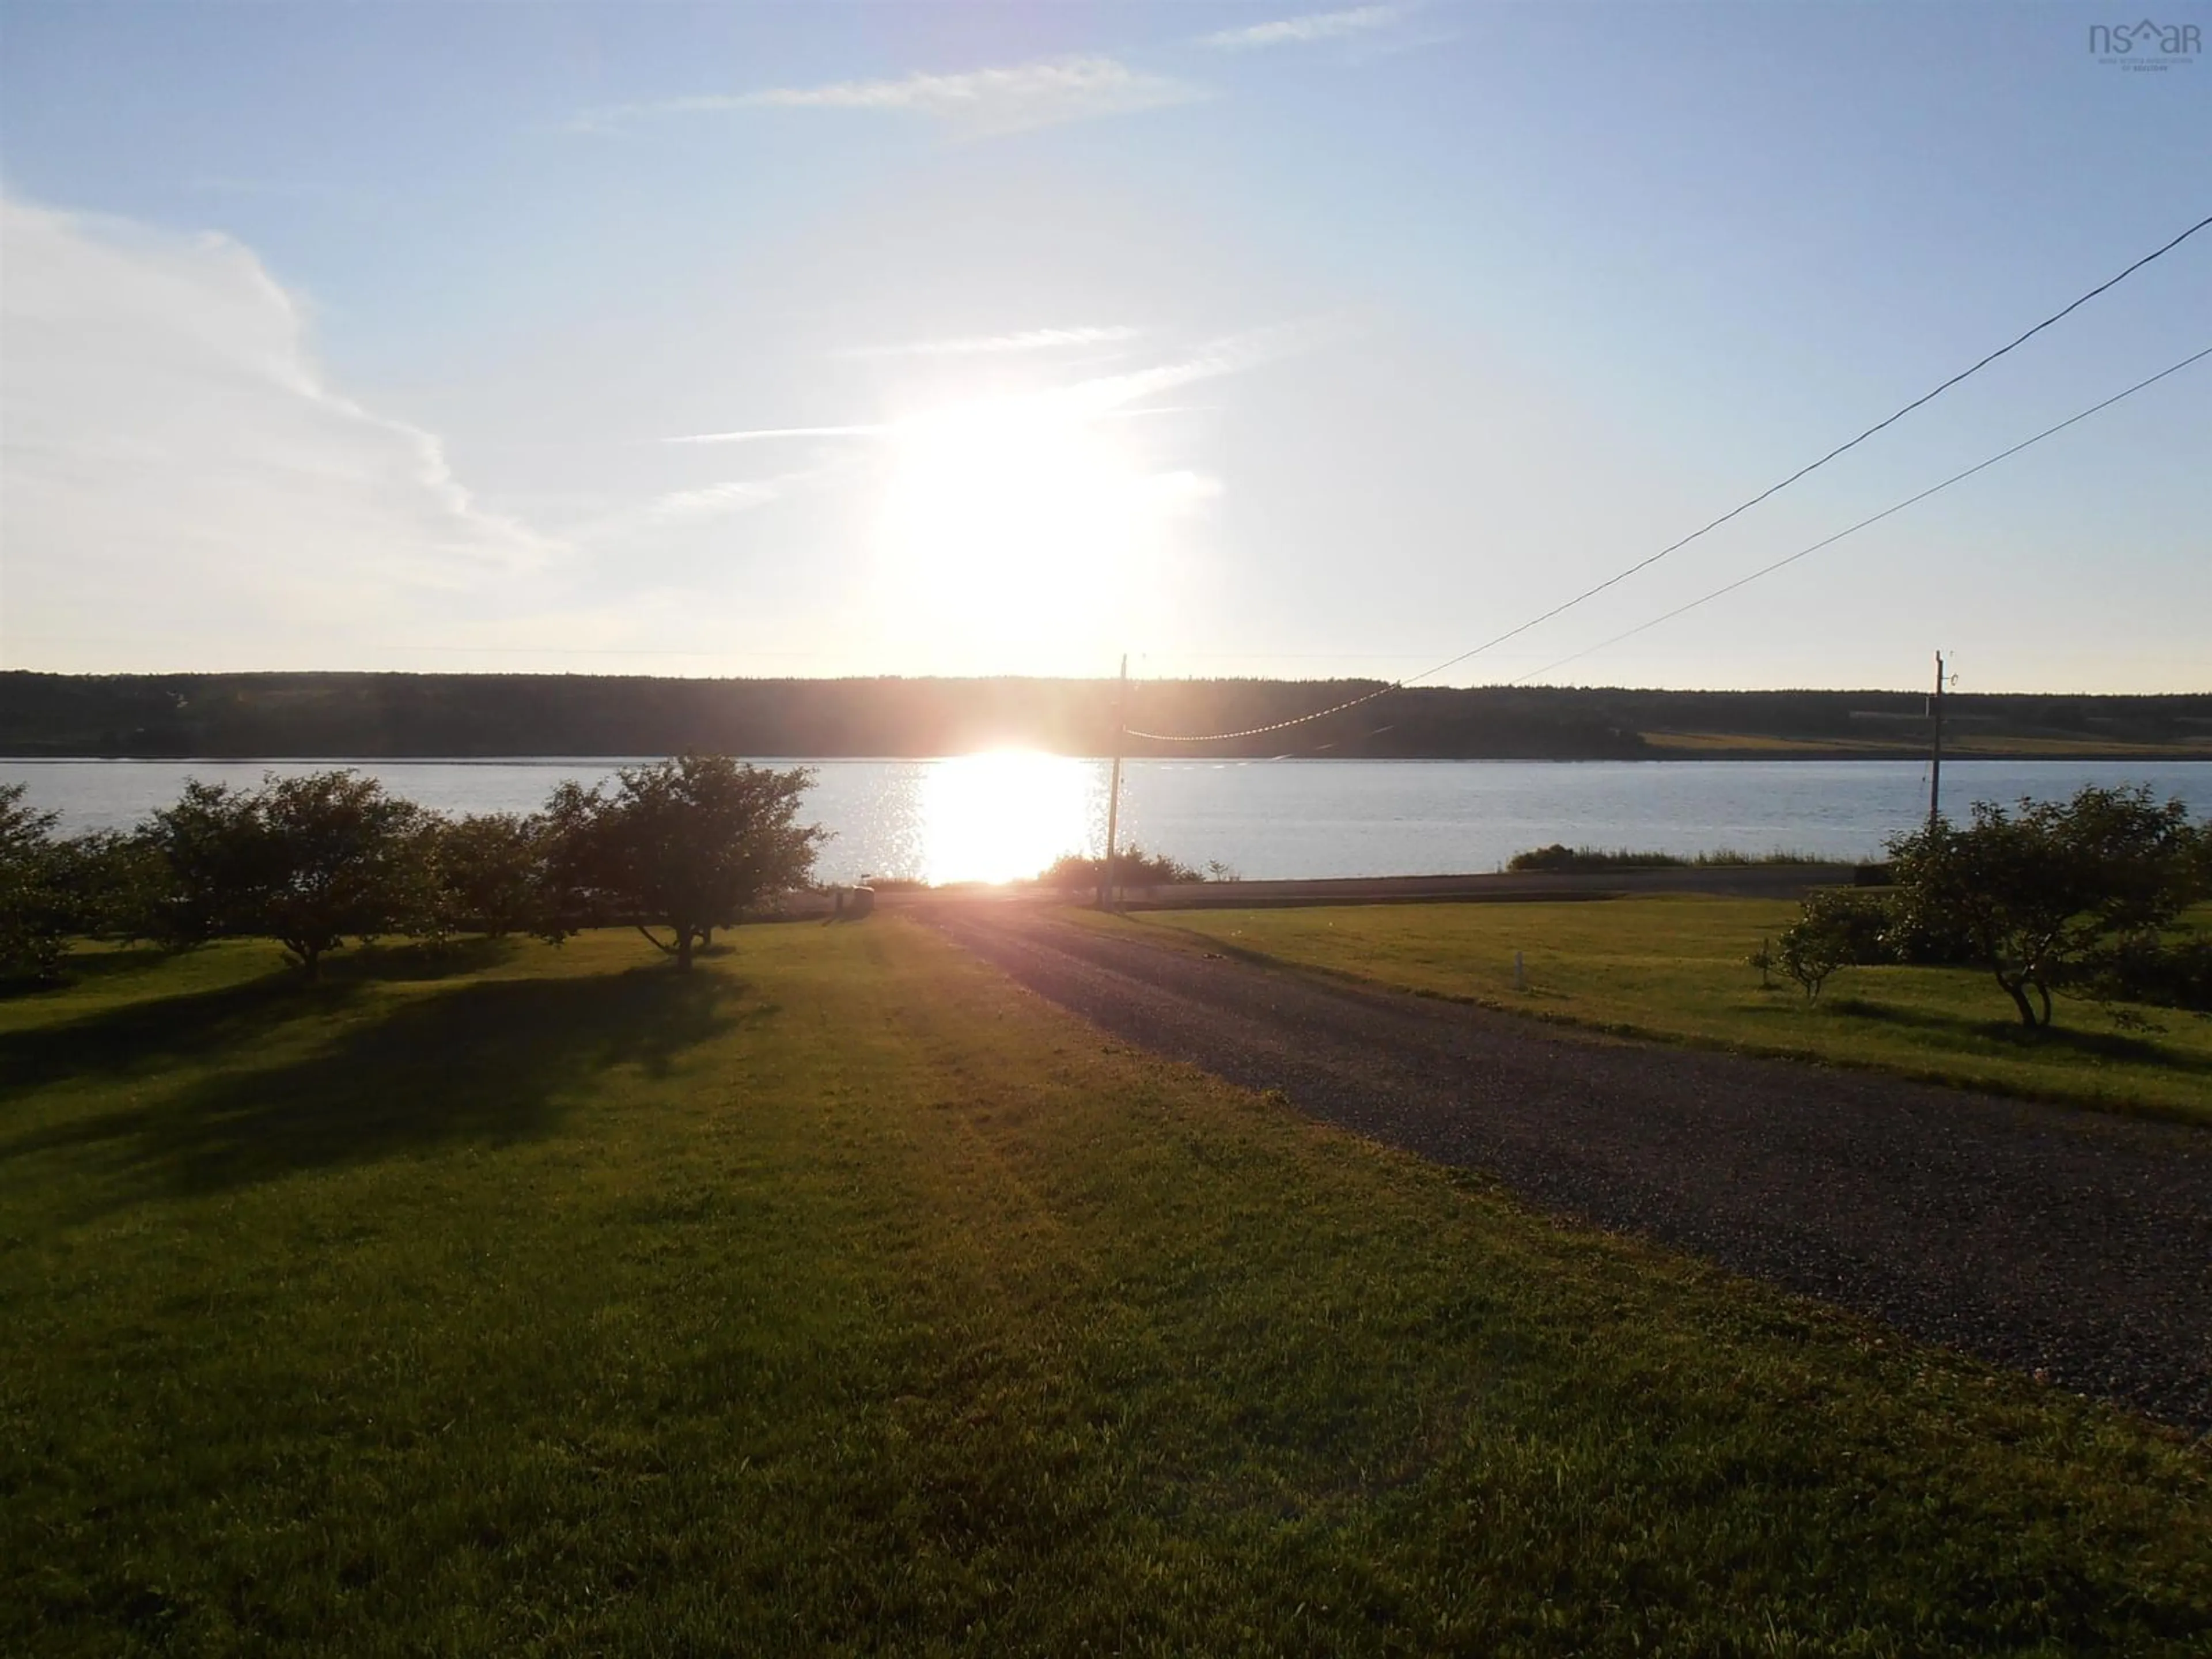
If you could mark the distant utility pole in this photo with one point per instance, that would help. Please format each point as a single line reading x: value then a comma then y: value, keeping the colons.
x: 1114, y: 788
x: 1935, y: 752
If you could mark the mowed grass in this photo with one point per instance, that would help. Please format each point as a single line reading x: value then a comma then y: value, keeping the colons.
x: 1675, y: 968
x: 843, y: 1298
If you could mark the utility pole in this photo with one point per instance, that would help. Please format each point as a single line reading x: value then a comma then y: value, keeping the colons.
x: 1935, y: 753
x: 1114, y: 788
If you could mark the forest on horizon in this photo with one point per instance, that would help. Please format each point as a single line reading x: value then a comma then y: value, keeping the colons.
x: 462, y: 716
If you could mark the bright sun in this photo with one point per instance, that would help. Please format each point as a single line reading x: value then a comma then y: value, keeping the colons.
x: 1005, y: 521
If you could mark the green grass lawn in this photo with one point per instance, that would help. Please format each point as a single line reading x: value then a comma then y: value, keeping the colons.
x: 1674, y: 968
x: 845, y: 1298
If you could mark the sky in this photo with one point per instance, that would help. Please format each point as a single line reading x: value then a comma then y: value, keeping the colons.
x: 1010, y: 339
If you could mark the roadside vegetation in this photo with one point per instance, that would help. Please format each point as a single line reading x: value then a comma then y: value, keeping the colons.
x: 2101, y: 904
x: 1678, y: 968
x: 1133, y: 868
x: 2088, y: 898
x: 1560, y: 859
x: 839, y: 1296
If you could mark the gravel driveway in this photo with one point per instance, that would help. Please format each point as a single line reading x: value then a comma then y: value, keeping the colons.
x: 2047, y: 1239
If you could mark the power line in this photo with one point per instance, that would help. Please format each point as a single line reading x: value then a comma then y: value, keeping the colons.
x: 1830, y: 541
x: 1839, y: 449
x: 1675, y: 547
x: 1277, y: 726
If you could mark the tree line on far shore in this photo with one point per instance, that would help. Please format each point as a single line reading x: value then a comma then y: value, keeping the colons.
x: 677, y: 848
x: 368, y: 716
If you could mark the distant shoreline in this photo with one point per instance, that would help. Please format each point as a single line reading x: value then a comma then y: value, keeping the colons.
x: 515, y: 718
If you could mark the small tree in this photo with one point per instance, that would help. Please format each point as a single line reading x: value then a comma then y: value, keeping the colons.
x: 306, y: 862
x: 112, y: 884
x: 1838, y: 927
x: 492, y: 872
x: 688, y: 845
x: 2035, y: 896
x: 34, y: 920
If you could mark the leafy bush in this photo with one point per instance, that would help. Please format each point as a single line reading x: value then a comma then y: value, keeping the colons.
x: 104, y: 884
x: 307, y: 861
x: 2166, y: 973
x: 1560, y: 859
x: 34, y: 916
x: 687, y: 844
x: 492, y: 871
x: 1838, y: 927
x: 1133, y: 868
x: 113, y: 885
x: 2040, y: 897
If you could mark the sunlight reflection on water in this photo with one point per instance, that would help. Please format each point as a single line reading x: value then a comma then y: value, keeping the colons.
x: 997, y: 817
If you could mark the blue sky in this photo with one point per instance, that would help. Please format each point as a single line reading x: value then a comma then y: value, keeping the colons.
x: 1244, y: 339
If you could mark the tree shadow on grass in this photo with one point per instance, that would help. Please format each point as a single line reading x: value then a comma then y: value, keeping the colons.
x: 413, y: 960
x: 491, y: 1062
x: 109, y: 961
x: 2010, y: 1034
x: 137, y: 1038
x: 154, y: 1033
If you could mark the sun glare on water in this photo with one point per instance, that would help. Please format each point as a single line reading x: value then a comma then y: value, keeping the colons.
x: 1002, y: 816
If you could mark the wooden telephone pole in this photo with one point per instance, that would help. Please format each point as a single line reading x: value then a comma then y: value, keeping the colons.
x: 1935, y: 753
x: 1114, y: 788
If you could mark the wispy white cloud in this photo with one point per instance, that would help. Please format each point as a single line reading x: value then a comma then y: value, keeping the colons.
x: 1299, y: 31
x: 768, y: 434
x: 1034, y: 339
x: 177, y: 462
x: 1235, y: 353
x: 1012, y: 97
x: 681, y: 510
x: 1102, y: 397
x: 713, y: 500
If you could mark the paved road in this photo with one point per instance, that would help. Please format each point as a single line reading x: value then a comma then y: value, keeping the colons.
x: 2050, y: 1239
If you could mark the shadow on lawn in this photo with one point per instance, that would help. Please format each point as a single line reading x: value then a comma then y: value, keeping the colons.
x: 2010, y: 1034
x: 155, y: 1033
x: 489, y: 1062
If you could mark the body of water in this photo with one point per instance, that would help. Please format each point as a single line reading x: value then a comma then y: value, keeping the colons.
x: 994, y: 817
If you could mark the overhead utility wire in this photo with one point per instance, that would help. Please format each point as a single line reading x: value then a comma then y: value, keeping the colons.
x: 1830, y: 541
x: 1675, y: 547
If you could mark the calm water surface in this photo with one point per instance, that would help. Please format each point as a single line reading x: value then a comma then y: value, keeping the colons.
x: 993, y: 817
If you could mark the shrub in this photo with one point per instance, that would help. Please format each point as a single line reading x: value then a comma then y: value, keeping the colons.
x: 2036, y: 897
x: 2167, y: 972
x: 492, y: 870
x: 34, y: 919
x: 307, y: 861
x: 1838, y: 927
x: 1560, y: 859
x: 1133, y: 868
x: 687, y: 844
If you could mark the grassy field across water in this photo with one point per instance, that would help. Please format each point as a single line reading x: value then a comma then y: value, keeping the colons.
x: 844, y: 1297
x: 1675, y: 968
